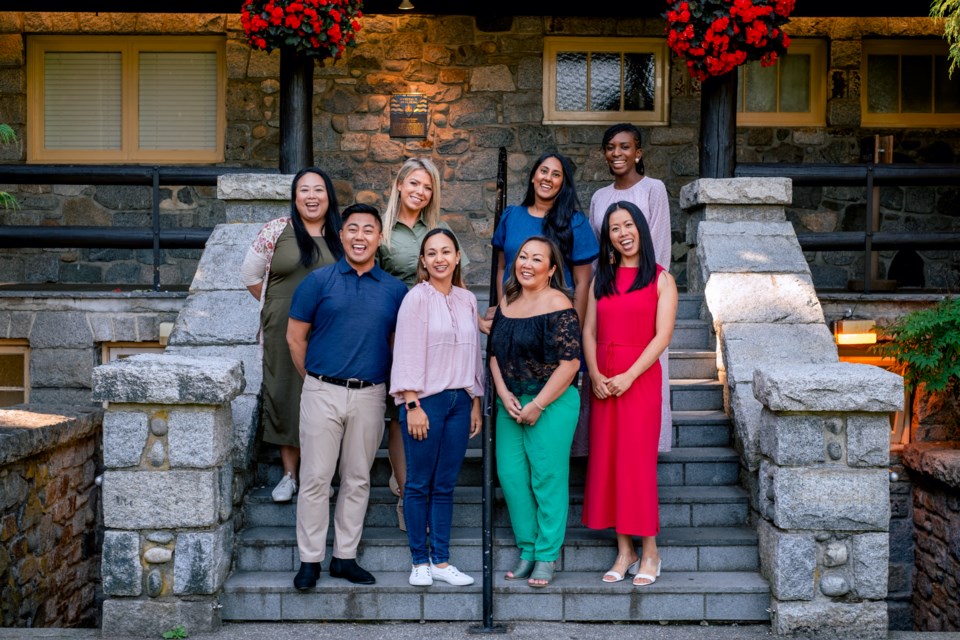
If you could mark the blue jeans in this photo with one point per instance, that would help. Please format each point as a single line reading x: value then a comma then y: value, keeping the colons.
x: 433, y: 465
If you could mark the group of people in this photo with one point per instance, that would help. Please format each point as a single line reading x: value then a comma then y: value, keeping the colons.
x: 366, y: 321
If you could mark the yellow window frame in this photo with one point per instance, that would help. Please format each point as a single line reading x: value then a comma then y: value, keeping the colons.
x: 902, y: 120
x: 655, y: 46
x: 817, y: 88
x: 129, y: 47
x: 21, y: 347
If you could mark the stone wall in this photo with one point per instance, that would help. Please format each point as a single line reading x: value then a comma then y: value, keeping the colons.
x: 935, y: 470
x: 66, y: 330
x: 50, y: 528
x: 483, y: 78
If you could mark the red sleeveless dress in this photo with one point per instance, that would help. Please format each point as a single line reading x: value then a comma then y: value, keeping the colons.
x: 621, y: 484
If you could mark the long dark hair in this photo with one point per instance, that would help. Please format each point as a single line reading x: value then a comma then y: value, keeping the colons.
x: 309, y: 253
x: 422, y: 274
x: 620, y: 128
x: 605, y: 282
x: 512, y: 288
x: 556, y: 224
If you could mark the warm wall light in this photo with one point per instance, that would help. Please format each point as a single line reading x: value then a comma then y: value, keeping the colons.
x: 855, y: 332
x: 406, y: 5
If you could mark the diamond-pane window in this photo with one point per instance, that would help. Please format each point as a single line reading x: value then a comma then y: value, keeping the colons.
x: 605, y: 80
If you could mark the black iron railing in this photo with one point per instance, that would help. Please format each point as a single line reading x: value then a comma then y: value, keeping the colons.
x: 155, y: 238
x: 868, y: 176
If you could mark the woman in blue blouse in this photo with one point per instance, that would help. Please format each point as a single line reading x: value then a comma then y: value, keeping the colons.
x: 550, y: 208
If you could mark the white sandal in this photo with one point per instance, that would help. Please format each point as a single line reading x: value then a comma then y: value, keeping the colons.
x: 616, y: 576
x: 647, y: 576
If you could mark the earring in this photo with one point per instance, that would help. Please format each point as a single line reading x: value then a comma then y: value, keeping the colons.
x: 613, y: 259
x: 636, y: 160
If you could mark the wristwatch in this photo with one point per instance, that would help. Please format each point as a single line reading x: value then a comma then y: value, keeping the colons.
x: 413, y: 404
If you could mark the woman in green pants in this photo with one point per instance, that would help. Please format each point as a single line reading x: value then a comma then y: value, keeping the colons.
x: 536, y: 356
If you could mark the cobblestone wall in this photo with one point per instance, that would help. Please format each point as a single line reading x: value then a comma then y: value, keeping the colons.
x: 935, y: 471
x: 50, y: 527
x: 483, y: 78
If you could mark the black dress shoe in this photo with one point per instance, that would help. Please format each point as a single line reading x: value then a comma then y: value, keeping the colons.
x: 349, y: 569
x: 306, y: 578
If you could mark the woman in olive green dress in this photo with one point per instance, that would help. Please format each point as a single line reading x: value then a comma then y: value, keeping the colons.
x: 285, y: 250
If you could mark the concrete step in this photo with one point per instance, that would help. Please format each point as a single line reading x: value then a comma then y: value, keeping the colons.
x: 707, y: 549
x: 692, y: 363
x: 708, y: 428
x: 574, y: 595
x: 696, y: 394
x: 713, y: 464
x: 680, y: 506
x: 693, y: 334
x: 689, y: 306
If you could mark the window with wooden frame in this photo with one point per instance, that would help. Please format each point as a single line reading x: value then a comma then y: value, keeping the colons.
x: 99, y: 99
x: 111, y: 351
x: 605, y: 80
x: 14, y: 372
x: 791, y: 92
x: 905, y: 83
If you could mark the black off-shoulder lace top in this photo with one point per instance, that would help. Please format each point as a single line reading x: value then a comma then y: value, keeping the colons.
x: 528, y: 350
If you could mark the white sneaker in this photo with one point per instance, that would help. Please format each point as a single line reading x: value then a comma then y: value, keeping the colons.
x: 420, y: 576
x: 451, y: 575
x: 285, y: 489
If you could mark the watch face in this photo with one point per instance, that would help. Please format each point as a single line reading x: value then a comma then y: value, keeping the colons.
x: 412, y: 404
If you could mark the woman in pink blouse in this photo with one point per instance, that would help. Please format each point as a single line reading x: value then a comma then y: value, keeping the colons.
x: 437, y: 379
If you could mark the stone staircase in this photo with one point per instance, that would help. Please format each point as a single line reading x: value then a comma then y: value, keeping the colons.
x: 709, y: 550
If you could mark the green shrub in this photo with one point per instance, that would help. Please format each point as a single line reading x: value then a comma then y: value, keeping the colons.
x: 926, y: 345
x: 7, y: 136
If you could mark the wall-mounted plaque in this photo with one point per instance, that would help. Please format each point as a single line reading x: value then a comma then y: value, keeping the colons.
x: 408, y: 115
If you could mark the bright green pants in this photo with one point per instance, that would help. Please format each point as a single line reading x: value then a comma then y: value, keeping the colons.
x: 533, y: 464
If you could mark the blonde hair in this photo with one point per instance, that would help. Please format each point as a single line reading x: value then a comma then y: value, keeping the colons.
x: 430, y: 213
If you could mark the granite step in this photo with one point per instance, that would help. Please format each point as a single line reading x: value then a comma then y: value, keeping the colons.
x: 693, y: 334
x: 707, y: 549
x: 680, y: 506
x: 574, y: 595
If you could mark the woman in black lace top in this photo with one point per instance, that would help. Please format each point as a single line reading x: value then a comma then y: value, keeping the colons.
x: 536, y: 355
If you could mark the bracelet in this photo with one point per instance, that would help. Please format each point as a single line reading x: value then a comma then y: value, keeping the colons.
x: 538, y: 405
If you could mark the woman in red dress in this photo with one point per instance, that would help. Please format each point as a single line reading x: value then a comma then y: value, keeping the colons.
x: 629, y: 322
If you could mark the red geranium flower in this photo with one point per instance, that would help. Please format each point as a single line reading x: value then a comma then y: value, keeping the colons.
x: 318, y: 28
x: 716, y: 36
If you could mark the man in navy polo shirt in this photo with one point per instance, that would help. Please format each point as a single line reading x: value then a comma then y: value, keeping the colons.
x: 342, y: 319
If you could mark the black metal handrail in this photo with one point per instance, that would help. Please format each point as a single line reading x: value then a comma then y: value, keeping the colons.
x: 155, y: 238
x: 868, y: 175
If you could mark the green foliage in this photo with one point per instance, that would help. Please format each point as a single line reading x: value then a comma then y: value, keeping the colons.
x: 949, y: 10
x: 926, y: 345
x: 7, y: 136
x: 177, y: 632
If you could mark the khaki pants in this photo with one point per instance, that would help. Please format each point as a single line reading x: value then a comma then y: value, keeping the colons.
x: 336, y: 422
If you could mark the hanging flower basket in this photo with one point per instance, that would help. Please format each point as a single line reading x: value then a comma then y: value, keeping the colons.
x: 316, y: 28
x: 716, y: 36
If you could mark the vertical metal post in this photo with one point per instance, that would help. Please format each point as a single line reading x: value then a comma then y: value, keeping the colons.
x: 868, y: 246
x: 156, y: 228
x: 490, y: 418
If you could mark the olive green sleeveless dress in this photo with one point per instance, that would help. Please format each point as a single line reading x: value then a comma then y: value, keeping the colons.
x: 280, y: 391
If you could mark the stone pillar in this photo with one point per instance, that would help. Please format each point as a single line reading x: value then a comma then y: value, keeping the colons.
x: 167, y: 496
x: 825, y: 496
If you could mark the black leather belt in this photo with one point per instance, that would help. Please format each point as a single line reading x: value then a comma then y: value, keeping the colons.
x: 349, y: 383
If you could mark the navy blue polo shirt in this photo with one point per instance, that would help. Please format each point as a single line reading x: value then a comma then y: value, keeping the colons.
x: 351, y: 320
